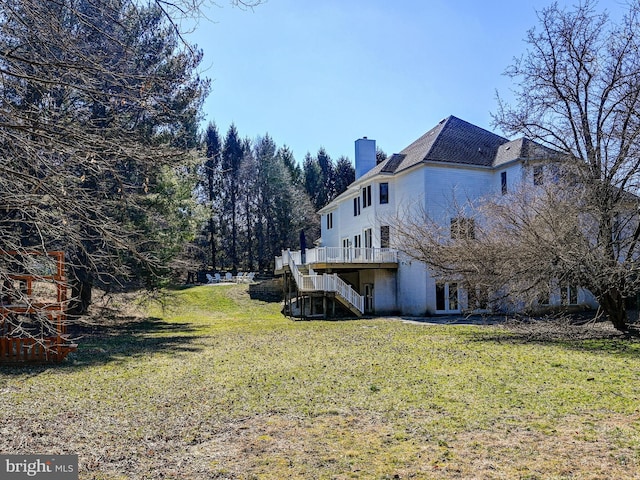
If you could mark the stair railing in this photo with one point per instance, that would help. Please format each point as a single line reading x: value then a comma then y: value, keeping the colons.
x: 324, y: 283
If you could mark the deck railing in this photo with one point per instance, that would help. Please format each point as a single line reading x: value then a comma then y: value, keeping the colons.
x: 342, y: 255
x: 323, y: 283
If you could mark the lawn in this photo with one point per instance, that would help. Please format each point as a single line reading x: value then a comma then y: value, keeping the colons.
x: 217, y: 385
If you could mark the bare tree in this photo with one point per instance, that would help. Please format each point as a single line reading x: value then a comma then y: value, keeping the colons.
x: 578, y: 92
x: 579, y: 88
x: 519, y: 248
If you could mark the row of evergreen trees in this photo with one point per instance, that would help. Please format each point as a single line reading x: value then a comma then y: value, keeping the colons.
x: 259, y: 199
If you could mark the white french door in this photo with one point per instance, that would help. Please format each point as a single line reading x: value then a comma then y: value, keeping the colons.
x: 447, y: 298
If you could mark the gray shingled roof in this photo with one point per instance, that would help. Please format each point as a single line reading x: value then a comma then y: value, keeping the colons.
x: 509, y: 151
x: 392, y: 163
x: 462, y: 142
x: 455, y: 141
x: 522, y: 148
x: 451, y: 141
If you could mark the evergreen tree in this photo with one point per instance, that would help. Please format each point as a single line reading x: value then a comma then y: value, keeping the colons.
x: 313, y: 181
x: 294, y: 169
x: 274, y: 186
x: 232, y: 155
x: 99, y: 99
x: 328, y: 176
x: 249, y: 174
x: 345, y: 175
x: 213, y: 187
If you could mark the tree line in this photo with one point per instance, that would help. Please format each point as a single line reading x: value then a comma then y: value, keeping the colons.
x: 258, y: 199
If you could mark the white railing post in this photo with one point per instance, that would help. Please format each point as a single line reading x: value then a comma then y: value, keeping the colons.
x: 341, y: 255
x: 324, y: 282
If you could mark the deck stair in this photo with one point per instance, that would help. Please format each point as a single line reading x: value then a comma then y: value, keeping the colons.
x: 307, y: 281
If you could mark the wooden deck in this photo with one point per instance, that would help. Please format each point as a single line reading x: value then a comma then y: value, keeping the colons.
x: 33, y: 350
x: 33, y: 311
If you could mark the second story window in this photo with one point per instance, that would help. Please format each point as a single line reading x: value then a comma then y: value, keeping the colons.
x: 329, y: 221
x: 356, y: 206
x: 538, y: 175
x: 503, y: 182
x: 384, y: 193
x: 366, y: 196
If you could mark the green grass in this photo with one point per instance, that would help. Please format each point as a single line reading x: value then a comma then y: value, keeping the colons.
x: 219, y: 386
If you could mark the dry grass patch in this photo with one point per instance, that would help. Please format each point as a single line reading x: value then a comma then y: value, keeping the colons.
x: 358, y: 446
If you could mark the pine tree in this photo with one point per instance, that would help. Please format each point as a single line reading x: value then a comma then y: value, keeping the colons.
x: 345, y: 175
x: 213, y: 184
x: 295, y: 172
x: 313, y: 181
x: 232, y: 154
x: 328, y: 176
x: 99, y: 99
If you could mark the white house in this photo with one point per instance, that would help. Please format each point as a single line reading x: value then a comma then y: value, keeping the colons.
x: 453, y: 162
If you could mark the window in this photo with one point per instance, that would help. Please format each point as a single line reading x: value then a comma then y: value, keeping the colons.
x: 384, y: 236
x: 569, y: 295
x: 538, y: 175
x: 368, y: 243
x: 503, y: 182
x: 544, y: 298
x: 329, y: 221
x: 384, y: 193
x: 356, y: 206
x: 366, y: 196
x: 447, y: 297
x: 478, y: 298
x: 440, y: 295
x: 463, y: 228
x: 368, y: 297
x: 368, y: 238
x: 346, y: 252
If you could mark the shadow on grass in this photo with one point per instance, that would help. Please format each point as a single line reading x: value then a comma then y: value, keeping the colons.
x: 117, y: 339
x: 594, y: 338
x: 129, y: 337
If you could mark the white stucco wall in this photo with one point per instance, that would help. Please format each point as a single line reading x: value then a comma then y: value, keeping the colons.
x: 411, y: 291
x: 385, y: 292
x: 439, y: 188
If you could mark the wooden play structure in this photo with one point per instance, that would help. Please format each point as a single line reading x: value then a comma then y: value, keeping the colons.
x: 33, y: 308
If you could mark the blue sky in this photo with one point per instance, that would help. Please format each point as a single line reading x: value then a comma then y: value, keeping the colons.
x: 314, y: 73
